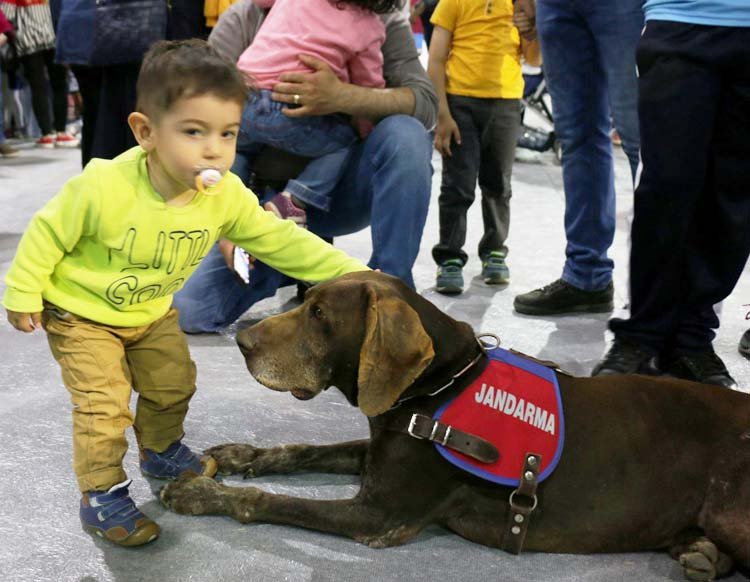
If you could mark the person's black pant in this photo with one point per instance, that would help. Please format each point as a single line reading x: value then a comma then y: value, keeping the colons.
x: 34, y: 66
x: 691, y: 226
x: 109, y: 96
x: 489, y: 130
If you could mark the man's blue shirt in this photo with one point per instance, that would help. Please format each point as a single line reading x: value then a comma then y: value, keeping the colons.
x: 710, y: 12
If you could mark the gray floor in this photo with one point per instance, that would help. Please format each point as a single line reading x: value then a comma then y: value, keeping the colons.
x: 39, y: 528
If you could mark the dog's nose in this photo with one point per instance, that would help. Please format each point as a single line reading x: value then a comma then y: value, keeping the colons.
x: 246, y: 342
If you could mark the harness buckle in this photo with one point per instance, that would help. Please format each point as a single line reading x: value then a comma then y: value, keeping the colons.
x: 412, y: 424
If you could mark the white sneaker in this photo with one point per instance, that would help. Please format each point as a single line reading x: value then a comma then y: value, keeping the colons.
x: 64, y: 140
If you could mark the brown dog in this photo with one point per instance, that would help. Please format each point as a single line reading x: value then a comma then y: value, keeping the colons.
x: 649, y: 462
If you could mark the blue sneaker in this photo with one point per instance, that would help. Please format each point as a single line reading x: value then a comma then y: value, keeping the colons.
x: 113, y: 516
x: 450, y: 280
x: 494, y: 269
x: 170, y: 464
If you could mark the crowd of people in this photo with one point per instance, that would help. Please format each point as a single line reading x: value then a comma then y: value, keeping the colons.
x: 325, y: 110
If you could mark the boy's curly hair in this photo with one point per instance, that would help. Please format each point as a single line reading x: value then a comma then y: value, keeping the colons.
x: 179, y: 69
x: 376, y: 6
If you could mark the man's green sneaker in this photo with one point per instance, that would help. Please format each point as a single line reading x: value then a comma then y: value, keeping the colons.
x: 494, y: 269
x: 450, y: 280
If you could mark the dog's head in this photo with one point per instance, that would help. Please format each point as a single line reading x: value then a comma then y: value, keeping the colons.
x: 366, y: 333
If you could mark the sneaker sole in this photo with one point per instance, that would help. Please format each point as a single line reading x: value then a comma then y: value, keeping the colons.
x: 496, y: 281
x: 145, y: 535
x: 595, y: 308
x: 66, y: 145
x: 272, y: 208
x: 46, y: 146
x: 449, y: 290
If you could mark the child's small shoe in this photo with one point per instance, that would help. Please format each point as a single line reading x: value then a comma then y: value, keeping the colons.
x: 494, y: 269
x: 170, y: 464
x: 450, y: 279
x: 113, y: 516
x: 283, y: 207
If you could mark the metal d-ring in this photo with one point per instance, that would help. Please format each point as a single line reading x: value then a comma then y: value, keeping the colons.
x: 485, y: 346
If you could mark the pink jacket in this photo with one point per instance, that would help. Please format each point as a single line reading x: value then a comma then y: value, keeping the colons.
x: 348, y: 39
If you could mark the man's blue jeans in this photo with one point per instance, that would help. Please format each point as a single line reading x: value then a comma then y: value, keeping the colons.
x: 386, y: 185
x: 589, y: 63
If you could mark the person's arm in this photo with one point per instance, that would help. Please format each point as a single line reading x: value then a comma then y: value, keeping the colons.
x: 53, y: 231
x: 524, y: 17
x: 408, y: 90
x: 283, y: 245
x: 447, y: 129
x: 531, y: 52
x: 236, y: 29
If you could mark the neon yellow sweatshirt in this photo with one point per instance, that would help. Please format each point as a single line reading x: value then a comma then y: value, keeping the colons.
x: 108, y: 248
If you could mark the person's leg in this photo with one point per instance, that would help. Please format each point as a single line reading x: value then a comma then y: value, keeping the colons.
x: 58, y: 81
x: 616, y: 26
x: 112, y: 135
x: 164, y: 377
x: 386, y: 184
x: 214, y: 297
x: 33, y: 70
x: 459, y: 180
x: 577, y: 83
x: 502, y: 123
x: 89, y: 82
x: 719, y: 241
x: 6, y: 150
x: 678, y: 100
x: 326, y: 139
x: 91, y: 359
x: 313, y: 186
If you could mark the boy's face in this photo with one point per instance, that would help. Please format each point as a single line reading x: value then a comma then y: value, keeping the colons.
x: 195, y: 134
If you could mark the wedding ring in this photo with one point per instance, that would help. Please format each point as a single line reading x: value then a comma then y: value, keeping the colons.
x: 296, y: 98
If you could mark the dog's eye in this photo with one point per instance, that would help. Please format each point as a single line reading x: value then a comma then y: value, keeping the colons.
x: 317, y: 312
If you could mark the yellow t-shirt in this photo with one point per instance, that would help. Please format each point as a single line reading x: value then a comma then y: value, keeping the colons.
x: 485, y: 57
x: 108, y: 248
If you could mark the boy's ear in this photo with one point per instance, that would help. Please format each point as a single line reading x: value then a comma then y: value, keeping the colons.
x: 142, y: 129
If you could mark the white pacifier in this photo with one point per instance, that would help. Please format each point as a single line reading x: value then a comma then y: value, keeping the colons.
x: 206, y: 178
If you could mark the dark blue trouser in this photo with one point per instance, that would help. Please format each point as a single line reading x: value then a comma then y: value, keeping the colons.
x: 691, y: 226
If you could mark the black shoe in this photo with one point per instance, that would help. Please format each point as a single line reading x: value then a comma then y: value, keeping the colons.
x: 744, y: 347
x: 627, y: 358
x: 560, y: 297
x: 705, y: 367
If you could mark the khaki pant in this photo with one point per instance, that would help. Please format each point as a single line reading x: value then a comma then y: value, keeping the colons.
x: 100, y: 364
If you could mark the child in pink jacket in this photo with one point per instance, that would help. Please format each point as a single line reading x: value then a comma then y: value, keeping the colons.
x: 345, y: 34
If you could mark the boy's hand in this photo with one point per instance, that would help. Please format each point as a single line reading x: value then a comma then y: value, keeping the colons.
x: 524, y: 18
x: 525, y: 25
x: 446, y: 130
x: 25, y: 322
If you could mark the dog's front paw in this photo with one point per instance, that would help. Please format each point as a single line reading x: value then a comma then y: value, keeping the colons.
x: 233, y: 458
x: 193, y: 495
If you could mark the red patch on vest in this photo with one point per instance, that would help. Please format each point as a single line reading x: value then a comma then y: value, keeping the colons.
x: 514, y: 404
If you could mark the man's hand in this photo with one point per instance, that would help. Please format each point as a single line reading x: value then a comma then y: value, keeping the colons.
x: 317, y: 93
x: 3, y: 39
x: 446, y: 130
x: 25, y: 322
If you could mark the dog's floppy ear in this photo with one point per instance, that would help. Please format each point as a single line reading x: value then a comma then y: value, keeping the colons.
x: 395, y: 351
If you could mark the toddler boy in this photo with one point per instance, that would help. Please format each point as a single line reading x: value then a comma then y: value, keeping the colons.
x: 98, y: 265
